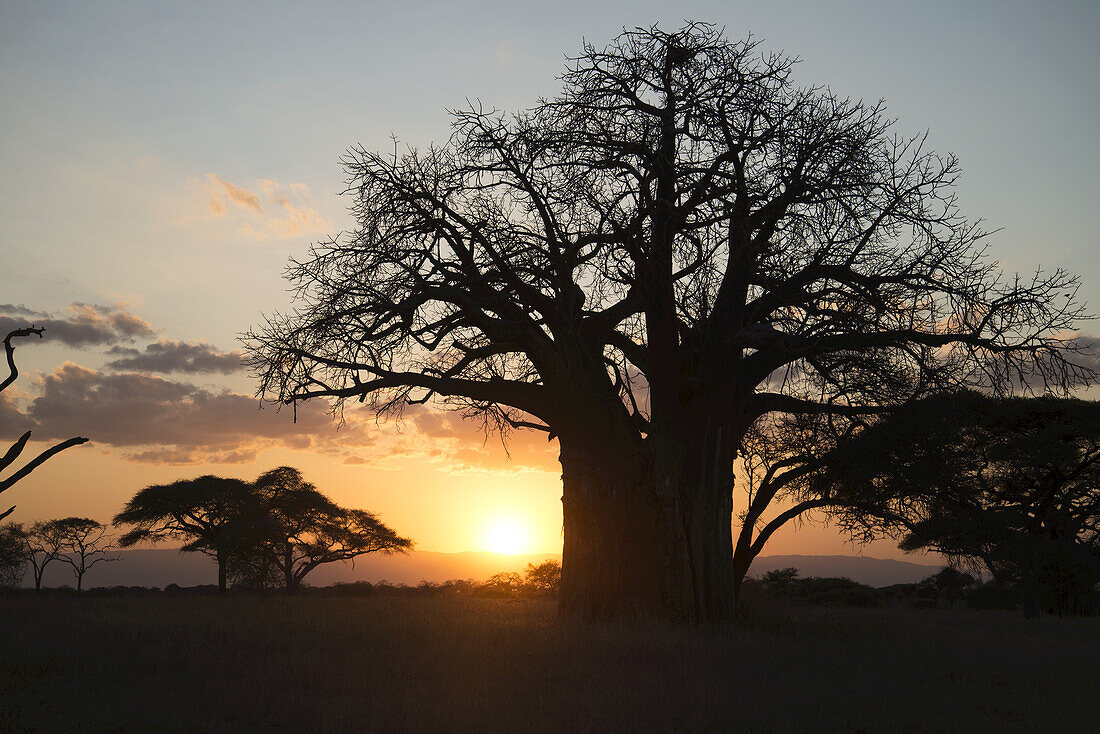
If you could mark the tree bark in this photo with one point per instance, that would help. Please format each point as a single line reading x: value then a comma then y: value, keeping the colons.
x: 706, y: 493
x: 649, y: 536
x: 223, y: 560
x: 623, y: 553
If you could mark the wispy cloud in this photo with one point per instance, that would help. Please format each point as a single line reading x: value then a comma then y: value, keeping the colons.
x: 269, y: 209
x: 222, y: 195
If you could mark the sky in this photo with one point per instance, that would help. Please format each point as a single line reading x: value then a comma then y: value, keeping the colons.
x: 159, y: 163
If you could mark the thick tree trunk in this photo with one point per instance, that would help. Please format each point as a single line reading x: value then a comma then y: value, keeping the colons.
x: 706, y: 491
x: 288, y: 570
x: 624, y: 553
x: 649, y: 538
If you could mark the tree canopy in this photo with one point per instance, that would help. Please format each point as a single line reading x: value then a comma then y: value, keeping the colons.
x: 209, y: 513
x: 1011, y: 484
x: 298, y: 529
x: 279, y: 524
x: 682, y: 243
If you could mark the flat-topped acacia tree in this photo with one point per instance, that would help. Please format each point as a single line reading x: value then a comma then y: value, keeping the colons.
x: 213, y: 514
x: 680, y: 244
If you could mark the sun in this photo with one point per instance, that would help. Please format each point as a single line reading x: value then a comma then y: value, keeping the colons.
x: 506, y: 535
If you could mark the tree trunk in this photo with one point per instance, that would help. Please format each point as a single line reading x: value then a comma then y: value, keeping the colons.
x: 624, y: 553
x: 288, y: 569
x: 223, y: 561
x: 649, y: 537
x: 706, y: 491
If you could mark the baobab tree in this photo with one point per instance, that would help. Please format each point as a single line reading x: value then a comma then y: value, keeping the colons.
x: 16, y: 449
x: 679, y: 245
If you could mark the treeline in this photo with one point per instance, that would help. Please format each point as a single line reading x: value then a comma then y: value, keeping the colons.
x: 266, y: 534
x: 79, y: 542
x: 537, y: 581
x: 949, y: 588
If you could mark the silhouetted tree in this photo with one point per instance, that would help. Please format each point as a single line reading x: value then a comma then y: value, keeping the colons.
x: 297, y: 529
x: 211, y: 513
x: 1011, y: 484
x: 544, y: 578
x: 503, y: 584
x: 949, y: 583
x: 17, y: 448
x: 85, y: 543
x: 780, y: 580
x: 43, y: 543
x: 13, y: 560
x: 680, y: 244
x: 780, y: 458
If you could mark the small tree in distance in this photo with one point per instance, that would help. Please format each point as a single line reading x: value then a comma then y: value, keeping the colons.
x: 13, y: 560
x: 297, y: 528
x: 544, y: 578
x: 86, y: 543
x: 43, y: 543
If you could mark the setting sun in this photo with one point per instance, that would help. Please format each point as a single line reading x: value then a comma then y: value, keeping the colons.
x: 507, y: 535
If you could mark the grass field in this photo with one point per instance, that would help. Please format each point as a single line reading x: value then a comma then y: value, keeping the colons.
x: 391, y: 664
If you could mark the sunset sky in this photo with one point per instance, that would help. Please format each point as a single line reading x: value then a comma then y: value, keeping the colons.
x: 159, y: 162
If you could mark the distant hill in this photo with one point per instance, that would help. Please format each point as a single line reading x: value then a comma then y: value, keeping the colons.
x: 159, y: 567
x: 864, y: 569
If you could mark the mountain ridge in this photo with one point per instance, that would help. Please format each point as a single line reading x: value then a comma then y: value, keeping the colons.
x: 159, y: 567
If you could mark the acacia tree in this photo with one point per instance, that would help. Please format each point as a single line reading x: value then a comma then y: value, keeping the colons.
x: 13, y: 561
x: 544, y: 578
x: 297, y: 529
x: 781, y: 458
x: 86, y: 543
x: 16, y: 449
x: 1011, y: 485
x: 211, y: 513
x: 680, y: 244
x: 43, y: 543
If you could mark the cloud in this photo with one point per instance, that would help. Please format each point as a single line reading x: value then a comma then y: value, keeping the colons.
x: 222, y: 195
x: 270, y: 210
x: 174, y: 356
x: 84, y: 325
x: 12, y: 422
x: 155, y: 420
x: 458, y: 444
x: 11, y: 309
x: 297, y: 220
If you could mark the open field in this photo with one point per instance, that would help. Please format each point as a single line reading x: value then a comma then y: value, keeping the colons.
x: 390, y: 663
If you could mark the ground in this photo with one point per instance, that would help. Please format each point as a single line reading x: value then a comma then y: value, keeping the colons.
x: 392, y: 663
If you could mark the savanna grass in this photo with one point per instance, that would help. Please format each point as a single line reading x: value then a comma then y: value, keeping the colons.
x: 392, y: 664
